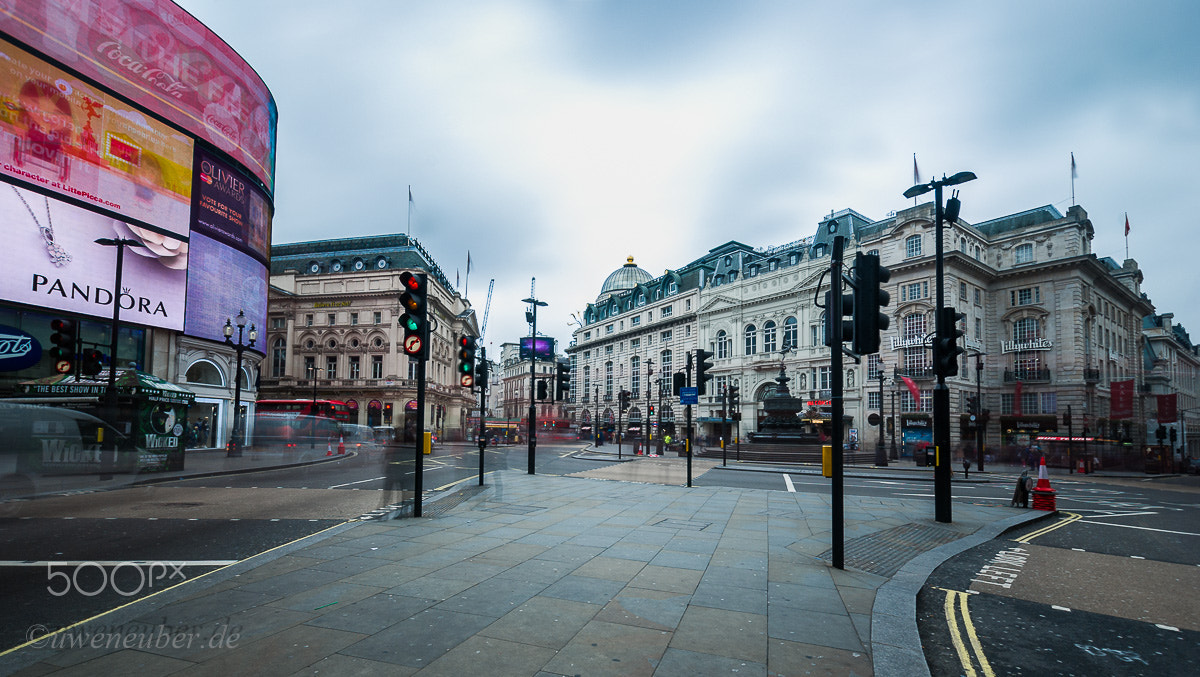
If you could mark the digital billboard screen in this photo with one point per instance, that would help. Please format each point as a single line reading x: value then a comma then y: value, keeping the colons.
x: 63, y: 135
x: 54, y: 262
x: 541, y: 346
x: 227, y: 208
x: 221, y: 282
x: 157, y: 55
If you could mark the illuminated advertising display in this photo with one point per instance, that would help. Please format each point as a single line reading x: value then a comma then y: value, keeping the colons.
x: 60, y: 134
x: 156, y: 54
x: 228, y: 209
x: 541, y: 347
x: 53, y: 261
x: 221, y: 282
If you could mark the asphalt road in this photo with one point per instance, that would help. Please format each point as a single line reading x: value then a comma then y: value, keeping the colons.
x: 1107, y: 586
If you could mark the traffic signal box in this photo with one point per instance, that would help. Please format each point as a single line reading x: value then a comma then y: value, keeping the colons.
x: 837, y: 306
x: 947, y: 346
x: 703, y: 364
x: 466, y: 361
x: 541, y: 390
x: 415, y: 318
x: 562, y: 383
x: 92, y: 360
x: 868, y: 299
x: 481, y: 375
x: 64, y: 338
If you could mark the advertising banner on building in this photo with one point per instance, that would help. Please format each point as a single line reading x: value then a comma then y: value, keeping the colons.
x: 1168, y: 411
x: 60, y: 134
x: 1122, y: 400
x: 160, y: 57
x: 221, y: 282
x: 52, y: 261
x: 228, y: 209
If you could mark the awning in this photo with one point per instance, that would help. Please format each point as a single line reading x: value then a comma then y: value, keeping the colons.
x: 130, y: 383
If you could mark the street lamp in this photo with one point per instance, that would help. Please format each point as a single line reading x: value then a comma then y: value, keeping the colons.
x: 941, y: 393
x: 235, y: 444
x: 979, y: 431
x: 110, y: 392
x: 532, y: 317
x: 881, y: 458
x: 646, y: 414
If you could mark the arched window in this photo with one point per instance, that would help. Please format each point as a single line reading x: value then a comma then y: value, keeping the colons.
x: 791, y: 335
x: 722, y: 347
x: 205, y: 372
x: 751, y: 334
x: 912, y: 246
x: 769, y: 336
x: 278, y: 357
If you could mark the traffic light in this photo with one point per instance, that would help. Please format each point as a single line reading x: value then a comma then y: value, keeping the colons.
x: 652, y: 413
x: 415, y: 316
x: 92, y: 360
x: 562, y: 382
x: 947, y: 347
x: 702, y: 366
x: 541, y: 390
x: 868, y: 299
x: 64, y: 339
x: 623, y: 398
x: 481, y: 375
x: 837, y: 330
x: 466, y: 361
x: 732, y: 396
x: 678, y: 381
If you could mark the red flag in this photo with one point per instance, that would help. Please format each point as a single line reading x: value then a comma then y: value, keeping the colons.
x: 1168, y: 411
x: 1017, y: 399
x: 1121, y: 405
x: 912, y: 388
x: 1126, y: 225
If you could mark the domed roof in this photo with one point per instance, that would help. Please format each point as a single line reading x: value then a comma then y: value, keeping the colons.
x: 627, y: 276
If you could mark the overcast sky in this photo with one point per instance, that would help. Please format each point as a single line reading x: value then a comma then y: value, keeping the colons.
x: 552, y: 139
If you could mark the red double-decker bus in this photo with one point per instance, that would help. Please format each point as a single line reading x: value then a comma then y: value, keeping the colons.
x: 334, y: 409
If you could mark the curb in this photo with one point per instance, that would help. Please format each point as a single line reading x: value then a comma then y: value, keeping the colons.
x: 157, y: 479
x: 895, y: 641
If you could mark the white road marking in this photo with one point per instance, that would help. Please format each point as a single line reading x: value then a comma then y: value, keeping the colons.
x: 1136, y: 557
x: 373, y: 479
x: 1131, y: 526
x: 1166, y: 627
x: 1060, y: 608
x: 788, y: 481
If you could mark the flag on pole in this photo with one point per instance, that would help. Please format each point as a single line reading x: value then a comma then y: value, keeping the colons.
x: 468, y: 262
x: 916, y: 172
x: 1126, y: 224
x: 1074, y: 169
x: 913, y: 389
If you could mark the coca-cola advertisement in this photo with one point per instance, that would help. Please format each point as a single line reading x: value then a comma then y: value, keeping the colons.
x: 159, y: 56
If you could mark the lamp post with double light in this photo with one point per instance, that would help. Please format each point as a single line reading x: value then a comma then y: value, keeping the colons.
x: 313, y: 370
x: 235, y: 443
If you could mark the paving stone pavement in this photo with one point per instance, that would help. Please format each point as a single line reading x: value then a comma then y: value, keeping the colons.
x: 545, y: 575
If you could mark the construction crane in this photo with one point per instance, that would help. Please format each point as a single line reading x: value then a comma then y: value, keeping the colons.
x: 486, y: 307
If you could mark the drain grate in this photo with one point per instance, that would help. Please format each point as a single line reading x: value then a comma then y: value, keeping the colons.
x: 883, y: 553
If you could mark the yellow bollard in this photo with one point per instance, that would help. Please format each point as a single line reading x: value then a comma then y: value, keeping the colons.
x: 427, y: 443
x: 827, y: 460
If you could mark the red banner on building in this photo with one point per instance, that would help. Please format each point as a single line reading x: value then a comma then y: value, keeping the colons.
x: 1122, y: 400
x: 1167, y: 411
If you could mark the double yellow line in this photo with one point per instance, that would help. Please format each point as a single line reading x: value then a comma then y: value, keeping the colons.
x: 1070, y: 517
x: 968, y: 629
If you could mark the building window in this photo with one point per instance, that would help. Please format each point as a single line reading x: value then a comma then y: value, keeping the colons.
x: 331, y: 367
x: 979, y: 328
x: 979, y: 297
x: 751, y: 334
x: 687, y: 331
x: 665, y: 366
x: 791, y: 335
x: 914, y: 291
x: 635, y: 320
x: 310, y: 367
x: 769, y: 337
x: 608, y: 380
x: 308, y: 320
x: 377, y: 366
x: 817, y: 332
x: 912, y: 246
x: 1025, y: 329
x: 914, y: 325
x: 278, y: 357
x: 278, y: 323
x: 821, y: 378
x: 377, y: 317
x: 608, y: 349
x: 1024, y: 253
x: 635, y: 377
x: 412, y: 370
x: 722, y: 346
x: 608, y: 329
x: 687, y: 304
x: 353, y: 318
x: 332, y: 319
x: 962, y: 291
x: 666, y: 311
x: 587, y: 336
x: 1026, y: 296
x: 665, y: 336
x: 634, y: 344
x: 874, y: 366
x: 872, y: 399
x: 1050, y: 403
x: 672, y: 287
x: 355, y: 366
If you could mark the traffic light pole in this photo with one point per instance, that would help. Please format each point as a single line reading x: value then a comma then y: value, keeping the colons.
x: 941, y: 392
x: 688, y: 409
x: 837, y: 497
x: 418, y: 447
x: 482, y: 414
x: 532, y: 429
x: 881, y: 458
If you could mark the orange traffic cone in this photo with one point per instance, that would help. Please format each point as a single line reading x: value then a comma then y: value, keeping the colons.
x: 1043, y: 494
x: 329, y: 448
x: 341, y: 445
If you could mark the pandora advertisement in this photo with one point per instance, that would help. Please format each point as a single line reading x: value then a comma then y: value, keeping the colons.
x: 52, y: 260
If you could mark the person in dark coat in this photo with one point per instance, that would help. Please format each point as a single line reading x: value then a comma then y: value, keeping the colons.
x: 1021, y: 492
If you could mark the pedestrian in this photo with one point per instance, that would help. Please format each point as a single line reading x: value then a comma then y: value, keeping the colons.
x: 1021, y: 491
x: 966, y: 466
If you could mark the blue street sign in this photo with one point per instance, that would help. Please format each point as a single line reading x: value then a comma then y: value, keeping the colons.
x: 689, y: 395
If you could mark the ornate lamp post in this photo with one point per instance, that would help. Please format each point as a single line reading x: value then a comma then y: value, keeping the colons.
x: 235, y: 444
x: 312, y: 375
